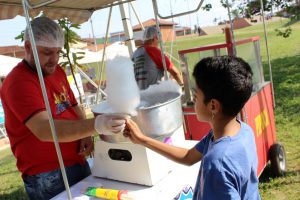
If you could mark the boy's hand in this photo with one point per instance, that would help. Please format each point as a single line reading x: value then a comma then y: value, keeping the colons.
x: 134, y: 132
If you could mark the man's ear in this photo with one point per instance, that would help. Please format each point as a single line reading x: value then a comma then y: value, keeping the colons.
x: 27, y: 46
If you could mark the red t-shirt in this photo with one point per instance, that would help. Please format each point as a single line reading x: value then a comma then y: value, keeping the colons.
x: 22, y: 98
x: 155, y: 55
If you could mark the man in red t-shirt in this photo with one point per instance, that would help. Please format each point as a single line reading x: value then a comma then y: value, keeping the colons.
x: 27, y: 123
x: 148, y: 63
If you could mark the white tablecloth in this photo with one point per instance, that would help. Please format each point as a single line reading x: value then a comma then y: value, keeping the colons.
x: 165, y: 189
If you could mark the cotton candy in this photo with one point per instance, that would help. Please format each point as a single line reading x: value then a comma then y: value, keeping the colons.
x: 121, y: 87
x: 159, y: 93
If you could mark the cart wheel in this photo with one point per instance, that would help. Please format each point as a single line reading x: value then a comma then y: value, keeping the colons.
x: 277, y: 158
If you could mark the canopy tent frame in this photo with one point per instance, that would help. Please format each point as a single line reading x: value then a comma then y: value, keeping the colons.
x: 49, y: 2
x: 157, y: 14
x: 27, y: 6
x: 179, y: 14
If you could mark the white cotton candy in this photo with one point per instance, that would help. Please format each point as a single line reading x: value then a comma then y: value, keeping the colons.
x: 103, y: 108
x: 121, y: 87
x: 159, y: 93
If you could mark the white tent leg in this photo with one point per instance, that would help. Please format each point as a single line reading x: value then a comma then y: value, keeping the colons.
x: 95, y: 40
x: 43, y: 87
x: 127, y: 29
x: 100, y: 71
x: 137, y: 17
x: 2, y: 130
x: 267, y: 48
x: 90, y: 80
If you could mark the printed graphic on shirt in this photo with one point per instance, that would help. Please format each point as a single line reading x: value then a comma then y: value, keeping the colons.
x: 139, y: 71
x: 62, y: 101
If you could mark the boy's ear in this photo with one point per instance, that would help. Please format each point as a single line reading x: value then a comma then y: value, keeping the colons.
x: 215, y: 106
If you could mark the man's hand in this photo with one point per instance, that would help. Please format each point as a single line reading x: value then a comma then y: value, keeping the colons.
x: 86, y: 146
x: 110, y: 124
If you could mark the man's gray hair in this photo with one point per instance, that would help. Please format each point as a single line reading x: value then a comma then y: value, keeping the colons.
x: 46, y: 32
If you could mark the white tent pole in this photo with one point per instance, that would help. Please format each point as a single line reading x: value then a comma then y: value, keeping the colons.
x: 179, y: 14
x: 95, y: 41
x: 89, y: 80
x: 160, y: 39
x: 267, y: 48
x: 127, y: 29
x: 3, y: 131
x: 100, y: 71
x: 137, y: 17
x: 43, y: 87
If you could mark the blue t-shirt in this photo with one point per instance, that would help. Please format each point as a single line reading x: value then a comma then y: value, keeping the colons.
x: 228, y: 167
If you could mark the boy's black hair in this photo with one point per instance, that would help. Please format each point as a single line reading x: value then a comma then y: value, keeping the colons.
x: 227, y: 79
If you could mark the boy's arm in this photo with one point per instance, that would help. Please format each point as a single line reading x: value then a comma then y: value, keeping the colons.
x: 177, y: 154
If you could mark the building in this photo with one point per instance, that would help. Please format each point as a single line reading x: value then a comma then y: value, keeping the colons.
x: 166, y: 28
x: 117, y: 36
x: 183, y: 30
x: 13, y: 51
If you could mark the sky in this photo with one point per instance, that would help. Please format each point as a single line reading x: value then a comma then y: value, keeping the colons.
x: 13, y: 27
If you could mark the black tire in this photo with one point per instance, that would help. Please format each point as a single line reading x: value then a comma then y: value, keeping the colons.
x: 277, y: 158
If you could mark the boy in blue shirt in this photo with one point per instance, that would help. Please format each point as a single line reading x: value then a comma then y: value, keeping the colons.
x: 228, y: 153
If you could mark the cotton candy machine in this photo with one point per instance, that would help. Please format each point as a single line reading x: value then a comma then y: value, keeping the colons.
x: 119, y: 159
x: 157, y: 116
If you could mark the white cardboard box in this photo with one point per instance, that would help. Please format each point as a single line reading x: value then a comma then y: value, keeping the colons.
x: 146, y: 167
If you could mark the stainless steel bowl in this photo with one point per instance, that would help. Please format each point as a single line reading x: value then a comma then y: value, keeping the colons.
x: 155, y: 121
x: 161, y: 119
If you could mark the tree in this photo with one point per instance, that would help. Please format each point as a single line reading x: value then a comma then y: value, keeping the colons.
x: 252, y: 7
x: 71, y: 38
x: 236, y: 13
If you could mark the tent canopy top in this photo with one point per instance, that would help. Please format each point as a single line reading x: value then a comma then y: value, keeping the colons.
x: 77, y: 11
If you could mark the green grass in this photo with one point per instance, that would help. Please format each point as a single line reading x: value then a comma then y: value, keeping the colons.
x: 11, y: 184
x: 285, y: 60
